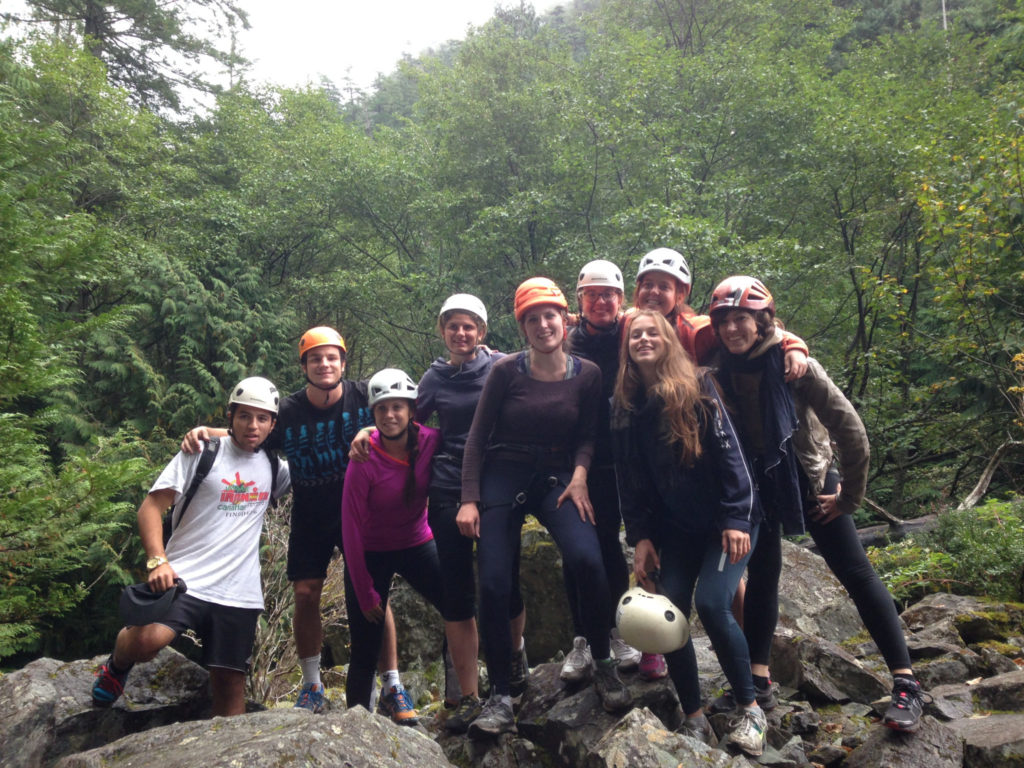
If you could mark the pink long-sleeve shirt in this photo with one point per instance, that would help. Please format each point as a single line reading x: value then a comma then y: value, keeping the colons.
x: 375, y: 516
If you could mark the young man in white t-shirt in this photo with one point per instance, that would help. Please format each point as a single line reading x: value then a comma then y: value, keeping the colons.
x: 214, y: 549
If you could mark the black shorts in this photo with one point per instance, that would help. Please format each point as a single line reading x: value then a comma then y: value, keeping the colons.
x: 227, y: 632
x: 312, y: 540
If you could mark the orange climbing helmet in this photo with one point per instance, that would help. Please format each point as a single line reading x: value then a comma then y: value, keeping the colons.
x: 536, y: 291
x: 321, y: 336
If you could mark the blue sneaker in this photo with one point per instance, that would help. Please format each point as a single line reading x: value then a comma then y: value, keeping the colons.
x: 109, y: 684
x: 397, y: 704
x: 311, y: 697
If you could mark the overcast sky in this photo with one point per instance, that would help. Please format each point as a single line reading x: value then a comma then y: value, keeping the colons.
x: 294, y: 43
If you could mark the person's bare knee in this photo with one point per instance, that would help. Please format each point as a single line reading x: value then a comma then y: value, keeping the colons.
x: 308, y: 592
x: 136, y: 645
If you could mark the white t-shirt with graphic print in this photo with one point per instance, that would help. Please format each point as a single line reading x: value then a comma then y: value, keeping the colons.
x: 215, y: 547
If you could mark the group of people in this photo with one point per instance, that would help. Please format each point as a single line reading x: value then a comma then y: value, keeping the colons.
x: 598, y: 423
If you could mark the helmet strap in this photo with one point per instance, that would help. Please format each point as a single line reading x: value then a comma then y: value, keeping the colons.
x: 400, y: 436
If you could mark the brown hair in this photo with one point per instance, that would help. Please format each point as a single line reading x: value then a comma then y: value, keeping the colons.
x: 763, y: 320
x: 677, y: 387
x: 682, y: 295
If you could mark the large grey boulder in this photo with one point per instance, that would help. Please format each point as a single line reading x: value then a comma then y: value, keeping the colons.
x: 993, y: 741
x: 46, y: 708
x: 934, y: 745
x: 822, y: 670
x: 640, y: 740
x: 811, y: 599
x: 353, y: 738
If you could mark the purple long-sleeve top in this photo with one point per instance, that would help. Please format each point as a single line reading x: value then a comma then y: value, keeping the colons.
x: 375, y: 516
x: 516, y: 409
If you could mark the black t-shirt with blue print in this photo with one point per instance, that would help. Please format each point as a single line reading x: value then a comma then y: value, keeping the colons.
x: 316, y: 442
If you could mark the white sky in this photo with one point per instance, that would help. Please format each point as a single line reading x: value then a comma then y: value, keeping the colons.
x: 294, y: 43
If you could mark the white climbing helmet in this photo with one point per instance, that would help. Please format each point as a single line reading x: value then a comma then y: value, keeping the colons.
x: 463, y: 302
x: 651, y: 623
x: 668, y: 261
x: 257, y: 392
x: 391, y: 382
x: 600, y: 273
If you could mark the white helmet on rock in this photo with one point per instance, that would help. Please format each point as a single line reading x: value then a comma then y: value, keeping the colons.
x: 651, y: 623
x: 391, y: 382
x: 463, y: 302
x: 257, y: 392
x: 668, y: 261
x: 601, y: 274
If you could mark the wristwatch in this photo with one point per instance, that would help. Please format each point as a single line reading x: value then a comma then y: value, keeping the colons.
x: 155, y: 562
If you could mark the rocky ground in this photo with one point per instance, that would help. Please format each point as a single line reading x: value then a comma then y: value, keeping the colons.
x: 967, y: 652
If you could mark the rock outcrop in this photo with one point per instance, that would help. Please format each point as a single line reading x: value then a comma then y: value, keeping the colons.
x: 832, y: 695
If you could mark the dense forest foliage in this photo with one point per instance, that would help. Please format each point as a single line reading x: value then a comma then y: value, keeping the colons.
x: 863, y: 157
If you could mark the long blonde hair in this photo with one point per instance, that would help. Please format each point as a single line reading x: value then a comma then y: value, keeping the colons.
x: 677, y: 387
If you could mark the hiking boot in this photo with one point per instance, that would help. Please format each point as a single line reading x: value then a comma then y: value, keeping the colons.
x: 627, y: 656
x: 468, y: 710
x: 495, y: 719
x: 747, y: 730
x: 653, y: 666
x: 907, y: 703
x: 520, y: 672
x: 578, y: 666
x: 766, y: 698
x: 311, y: 697
x: 611, y: 690
x: 397, y: 704
x: 698, y: 728
x: 109, y: 684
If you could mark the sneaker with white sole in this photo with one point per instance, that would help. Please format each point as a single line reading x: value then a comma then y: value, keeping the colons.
x: 311, y: 697
x: 627, y: 656
x: 397, y: 704
x: 578, y: 666
x: 653, y: 666
x: 747, y: 730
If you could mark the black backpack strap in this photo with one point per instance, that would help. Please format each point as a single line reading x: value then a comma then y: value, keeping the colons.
x: 206, y: 459
x: 274, y: 464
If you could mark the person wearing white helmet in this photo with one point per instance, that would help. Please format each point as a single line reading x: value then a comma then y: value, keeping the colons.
x: 664, y: 282
x: 315, y: 427
x: 213, y: 548
x: 385, y: 530
x: 690, y: 509
x: 600, y: 291
x: 451, y: 388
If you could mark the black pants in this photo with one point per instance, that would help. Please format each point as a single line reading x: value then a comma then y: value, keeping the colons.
x: 420, y: 567
x: 844, y: 554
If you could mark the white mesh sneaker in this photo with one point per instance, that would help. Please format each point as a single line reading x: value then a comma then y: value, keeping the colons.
x: 578, y: 666
x: 748, y: 730
x: 627, y: 656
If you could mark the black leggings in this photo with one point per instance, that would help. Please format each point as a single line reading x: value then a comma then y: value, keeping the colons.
x: 604, y: 496
x: 843, y: 553
x: 420, y: 567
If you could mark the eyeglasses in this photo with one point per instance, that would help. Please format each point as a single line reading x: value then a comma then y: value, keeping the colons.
x: 591, y: 295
